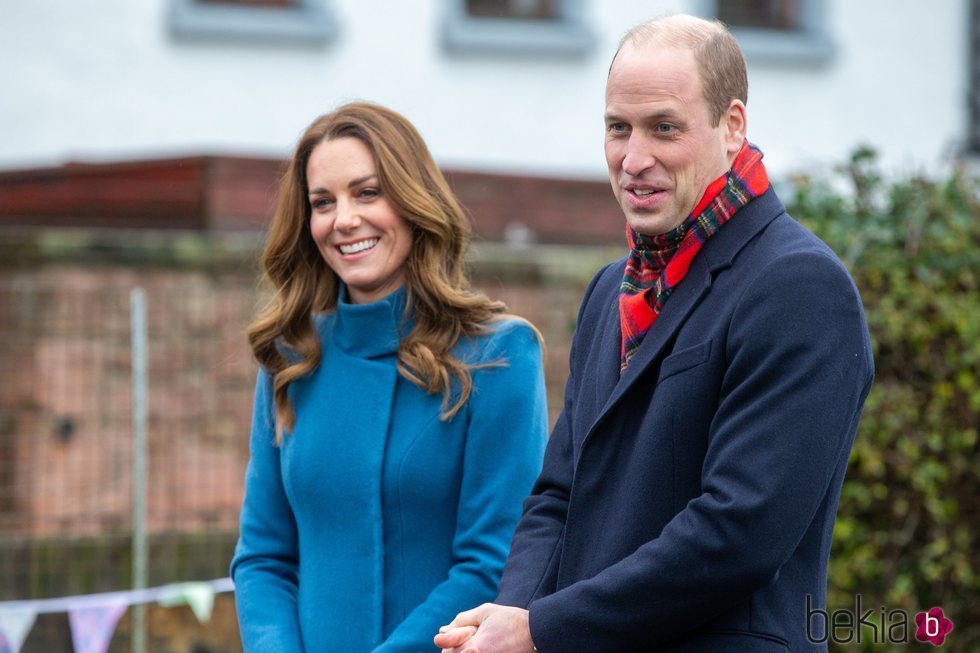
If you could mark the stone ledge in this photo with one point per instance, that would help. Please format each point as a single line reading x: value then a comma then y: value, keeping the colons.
x: 238, y: 252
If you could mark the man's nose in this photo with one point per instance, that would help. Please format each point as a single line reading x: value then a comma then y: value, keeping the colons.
x: 637, y: 158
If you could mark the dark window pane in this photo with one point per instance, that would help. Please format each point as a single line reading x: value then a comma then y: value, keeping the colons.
x: 513, y: 9
x: 761, y: 14
x: 285, y: 4
x: 974, y: 77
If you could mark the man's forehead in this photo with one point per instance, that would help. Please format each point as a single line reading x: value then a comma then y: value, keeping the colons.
x: 662, y: 108
x: 655, y: 76
x: 654, y: 58
x: 667, y: 83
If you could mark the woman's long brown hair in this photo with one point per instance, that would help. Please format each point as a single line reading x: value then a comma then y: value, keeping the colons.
x: 444, y: 308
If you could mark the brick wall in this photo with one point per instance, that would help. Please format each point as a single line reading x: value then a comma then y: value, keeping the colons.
x: 68, y: 419
x: 65, y: 407
x: 222, y: 193
x: 74, y: 242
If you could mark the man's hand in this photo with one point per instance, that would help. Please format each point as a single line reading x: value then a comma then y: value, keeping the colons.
x: 489, y: 628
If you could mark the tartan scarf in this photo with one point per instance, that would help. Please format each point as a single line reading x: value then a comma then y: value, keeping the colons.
x: 658, y: 263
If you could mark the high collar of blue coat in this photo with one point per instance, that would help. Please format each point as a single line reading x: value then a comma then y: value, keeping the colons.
x: 369, y: 330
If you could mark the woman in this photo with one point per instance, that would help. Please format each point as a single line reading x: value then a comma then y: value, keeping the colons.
x: 399, y: 416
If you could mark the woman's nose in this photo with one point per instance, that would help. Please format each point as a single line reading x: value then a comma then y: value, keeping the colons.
x: 347, y: 217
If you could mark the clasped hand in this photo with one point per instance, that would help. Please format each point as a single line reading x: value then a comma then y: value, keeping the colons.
x: 489, y: 628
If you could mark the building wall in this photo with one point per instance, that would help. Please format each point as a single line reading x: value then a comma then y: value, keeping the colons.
x: 68, y: 421
x: 106, y: 80
x: 66, y: 425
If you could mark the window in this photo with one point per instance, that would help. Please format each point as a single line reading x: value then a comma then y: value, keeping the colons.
x: 301, y: 22
x: 973, y: 87
x: 543, y: 10
x: 517, y: 27
x: 251, y: 3
x: 776, y: 30
x: 781, y: 15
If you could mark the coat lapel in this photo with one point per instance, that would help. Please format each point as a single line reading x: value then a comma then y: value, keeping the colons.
x: 717, y: 254
x: 606, y: 372
x: 685, y: 297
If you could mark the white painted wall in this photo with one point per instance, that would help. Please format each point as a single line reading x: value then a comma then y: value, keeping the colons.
x: 104, y: 80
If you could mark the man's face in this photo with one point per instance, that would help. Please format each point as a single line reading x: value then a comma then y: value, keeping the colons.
x: 662, y: 148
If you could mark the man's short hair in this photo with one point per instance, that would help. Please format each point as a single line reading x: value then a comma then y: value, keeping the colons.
x: 719, y: 58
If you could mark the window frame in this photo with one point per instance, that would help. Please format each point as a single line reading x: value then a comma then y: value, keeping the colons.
x: 809, y: 45
x: 566, y: 36
x: 973, y: 82
x: 308, y: 23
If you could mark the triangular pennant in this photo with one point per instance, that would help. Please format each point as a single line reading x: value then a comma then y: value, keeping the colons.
x: 14, y: 626
x: 201, y: 599
x: 92, y: 626
x: 199, y: 596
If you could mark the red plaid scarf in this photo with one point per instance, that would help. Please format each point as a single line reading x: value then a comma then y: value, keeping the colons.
x: 658, y: 263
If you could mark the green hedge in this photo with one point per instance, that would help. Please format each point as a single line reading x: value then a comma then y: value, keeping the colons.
x: 910, y: 508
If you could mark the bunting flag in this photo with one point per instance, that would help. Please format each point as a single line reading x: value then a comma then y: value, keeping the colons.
x: 199, y: 596
x: 92, y: 626
x: 93, y: 617
x: 14, y: 626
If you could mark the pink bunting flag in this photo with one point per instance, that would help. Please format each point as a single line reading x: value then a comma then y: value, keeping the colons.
x: 92, y: 625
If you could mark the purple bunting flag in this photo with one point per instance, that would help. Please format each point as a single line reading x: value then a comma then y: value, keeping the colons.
x: 92, y: 626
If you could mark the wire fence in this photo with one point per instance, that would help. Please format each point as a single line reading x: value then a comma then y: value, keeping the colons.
x: 66, y: 431
x: 67, y: 474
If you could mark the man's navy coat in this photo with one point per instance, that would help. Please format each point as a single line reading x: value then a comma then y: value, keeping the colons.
x: 689, y: 504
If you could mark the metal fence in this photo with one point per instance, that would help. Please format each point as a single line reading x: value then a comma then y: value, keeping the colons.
x: 68, y: 467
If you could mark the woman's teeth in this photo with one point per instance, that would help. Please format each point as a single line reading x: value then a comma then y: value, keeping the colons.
x: 354, y: 248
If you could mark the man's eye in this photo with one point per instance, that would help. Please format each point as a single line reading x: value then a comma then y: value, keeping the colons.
x: 617, y: 127
x: 665, y: 128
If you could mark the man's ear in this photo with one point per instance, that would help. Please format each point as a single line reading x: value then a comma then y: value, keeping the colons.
x: 734, y: 121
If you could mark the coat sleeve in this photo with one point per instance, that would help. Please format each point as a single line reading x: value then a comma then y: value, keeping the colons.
x: 532, y: 564
x: 266, y: 561
x: 505, y: 438
x: 798, y: 368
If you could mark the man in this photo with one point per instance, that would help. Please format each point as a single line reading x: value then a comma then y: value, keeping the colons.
x: 717, y: 375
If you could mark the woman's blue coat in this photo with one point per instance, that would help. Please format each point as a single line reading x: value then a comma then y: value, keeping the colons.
x: 376, y: 521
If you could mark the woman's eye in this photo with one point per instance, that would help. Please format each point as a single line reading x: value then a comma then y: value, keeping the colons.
x: 370, y: 193
x: 321, y: 203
